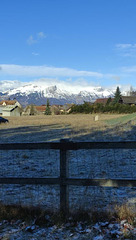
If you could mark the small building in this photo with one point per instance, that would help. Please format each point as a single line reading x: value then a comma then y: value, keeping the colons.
x: 65, y: 109
x: 11, y: 111
x: 40, y: 109
x: 102, y: 100
x: 10, y: 102
x: 55, y: 109
x: 30, y: 110
x: 130, y: 100
x: 10, y: 108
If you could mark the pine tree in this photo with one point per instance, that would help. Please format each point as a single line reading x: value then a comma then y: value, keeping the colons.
x: 47, y: 110
x: 117, y: 96
x: 109, y: 100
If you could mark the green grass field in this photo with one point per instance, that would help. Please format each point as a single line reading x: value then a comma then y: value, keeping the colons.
x: 121, y: 120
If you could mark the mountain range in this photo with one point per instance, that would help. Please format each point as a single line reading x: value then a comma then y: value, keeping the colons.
x: 38, y: 93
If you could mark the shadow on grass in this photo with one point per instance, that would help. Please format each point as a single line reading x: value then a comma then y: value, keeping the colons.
x: 120, y: 132
x: 34, y: 133
x: 55, y: 132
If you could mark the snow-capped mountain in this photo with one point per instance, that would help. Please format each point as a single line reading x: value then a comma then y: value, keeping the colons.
x: 37, y: 93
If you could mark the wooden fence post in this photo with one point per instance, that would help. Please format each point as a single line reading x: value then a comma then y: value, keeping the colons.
x: 64, y: 206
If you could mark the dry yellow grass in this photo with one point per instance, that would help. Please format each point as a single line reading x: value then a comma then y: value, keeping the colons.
x: 55, y: 127
x: 76, y: 121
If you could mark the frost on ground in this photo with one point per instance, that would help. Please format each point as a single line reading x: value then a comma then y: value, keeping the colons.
x: 109, y: 164
x: 21, y: 230
x: 82, y: 164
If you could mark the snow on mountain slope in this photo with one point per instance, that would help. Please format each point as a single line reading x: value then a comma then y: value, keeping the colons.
x: 55, y: 91
x: 59, y: 93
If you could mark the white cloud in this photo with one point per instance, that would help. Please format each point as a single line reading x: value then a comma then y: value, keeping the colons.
x: 44, y: 71
x: 116, y: 77
x: 31, y: 40
x: 6, y: 85
x: 126, y: 49
x: 68, y: 85
x: 124, y: 45
x: 41, y: 35
x: 129, y: 69
x: 35, y: 53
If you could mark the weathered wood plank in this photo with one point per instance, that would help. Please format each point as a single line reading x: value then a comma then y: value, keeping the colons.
x: 64, y: 206
x: 35, y: 181
x: 101, y: 182
x: 70, y: 181
x: 101, y: 145
x: 69, y: 145
x: 30, y: 146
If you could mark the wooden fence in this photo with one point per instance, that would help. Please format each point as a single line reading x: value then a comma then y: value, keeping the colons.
x: 63, y: 180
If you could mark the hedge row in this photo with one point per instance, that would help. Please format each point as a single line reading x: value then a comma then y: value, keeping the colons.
x: 100, y: 108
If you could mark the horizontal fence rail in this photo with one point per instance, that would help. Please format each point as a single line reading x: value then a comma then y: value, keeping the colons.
x: 68, y: 145
x: 63, y: 180
x: 71, y: 181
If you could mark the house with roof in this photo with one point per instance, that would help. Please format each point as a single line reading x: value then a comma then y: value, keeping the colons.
x: 102, y: 100
x: 55, y: 109
x: 40, y: 109
x: 10, y: 102
x: 130, y: 100
x: 30, y: 110
x: 10, y: 108
x: 11, y: 111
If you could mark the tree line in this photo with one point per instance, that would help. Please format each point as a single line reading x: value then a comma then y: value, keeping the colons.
x: 101, y: 108
x: 111, y: 106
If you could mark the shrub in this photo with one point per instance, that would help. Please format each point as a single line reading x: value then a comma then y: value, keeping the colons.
x: 101, y: 108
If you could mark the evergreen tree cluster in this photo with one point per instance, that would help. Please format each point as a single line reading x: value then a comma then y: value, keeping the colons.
x: 110, y: 107
x: 117, y: 96
x: 101, y: 108
x: 47, y: 110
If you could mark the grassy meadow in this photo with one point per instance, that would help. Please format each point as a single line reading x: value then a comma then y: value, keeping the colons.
x: 73, y: 126
x: 81, y: 121
x: 76, y: 127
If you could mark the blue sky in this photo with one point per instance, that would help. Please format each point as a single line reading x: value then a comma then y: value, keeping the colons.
x: 90, y: 41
